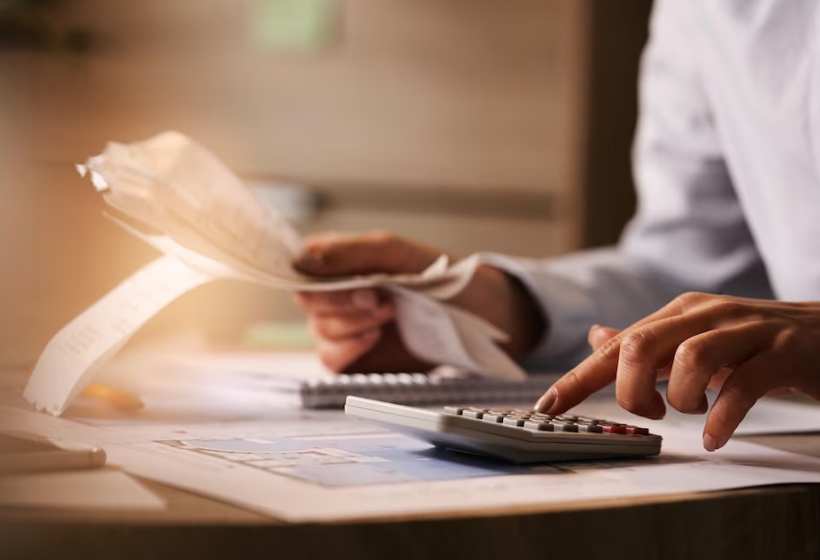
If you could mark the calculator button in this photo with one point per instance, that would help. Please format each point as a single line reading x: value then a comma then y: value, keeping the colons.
x: 610, y: 429
x: 419, y: 378
x: 537, y: 421
x: 636, y: 431
x: 564, y: 427
x: 590, y: 428
x: 539, y: 426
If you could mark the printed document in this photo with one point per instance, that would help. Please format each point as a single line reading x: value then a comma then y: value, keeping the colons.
x: 323, y: 466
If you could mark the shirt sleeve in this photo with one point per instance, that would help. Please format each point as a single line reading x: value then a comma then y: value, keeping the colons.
x: 689, y: 232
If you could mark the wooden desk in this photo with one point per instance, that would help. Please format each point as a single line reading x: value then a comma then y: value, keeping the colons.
x: 776, y: 522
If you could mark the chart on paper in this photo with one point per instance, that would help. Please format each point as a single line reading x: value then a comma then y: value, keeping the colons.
x: 314, y: 466
x: 360, y: 459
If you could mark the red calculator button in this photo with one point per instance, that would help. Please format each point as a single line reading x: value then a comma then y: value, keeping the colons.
x: 636, y: 431
x: 610, y: 429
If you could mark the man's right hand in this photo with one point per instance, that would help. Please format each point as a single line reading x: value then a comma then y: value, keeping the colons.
x: 356, y: 329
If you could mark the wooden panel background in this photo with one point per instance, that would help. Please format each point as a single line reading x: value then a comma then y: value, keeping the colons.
x: 463, y: 93
x: 415, y: 98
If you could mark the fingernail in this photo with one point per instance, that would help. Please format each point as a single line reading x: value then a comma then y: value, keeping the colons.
x: 546, y: 401
x: 365, y: 299
x: 709, y: 443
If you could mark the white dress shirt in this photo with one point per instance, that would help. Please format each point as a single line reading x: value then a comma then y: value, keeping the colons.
x: 727, y: 167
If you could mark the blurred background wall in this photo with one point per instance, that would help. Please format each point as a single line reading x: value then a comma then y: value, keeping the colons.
x: 495, y: 125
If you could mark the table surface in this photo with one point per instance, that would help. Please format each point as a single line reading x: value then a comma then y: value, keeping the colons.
x: 773, y: 522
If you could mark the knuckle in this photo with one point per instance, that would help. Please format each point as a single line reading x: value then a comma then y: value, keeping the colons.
x: 381, y: 237
x: 726, y: 307
x: 339, y: 329
x: 332, y: 362
x: 690, y: 355
x: 756, y: 316
x: 302, y: 300
x: 610, y: 346
x: 325, y: 329
x: 787, y: 340
x: 636, y: 344
x: 690, y: 299
x: 317, y: 328
x: 329, y: 328
x: 572, y: 387
x: 573, y: 380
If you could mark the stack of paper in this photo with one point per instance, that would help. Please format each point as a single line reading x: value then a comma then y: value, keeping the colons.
x: 324, y: 466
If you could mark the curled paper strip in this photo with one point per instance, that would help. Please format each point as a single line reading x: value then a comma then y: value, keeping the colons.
x: 215, y: 228
x: 71, y: 359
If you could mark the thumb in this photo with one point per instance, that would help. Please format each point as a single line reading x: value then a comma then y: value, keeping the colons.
x: 330, y: 255
x: 598, y: 336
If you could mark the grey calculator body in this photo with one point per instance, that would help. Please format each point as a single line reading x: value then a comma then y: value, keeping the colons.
x: 511, y: 443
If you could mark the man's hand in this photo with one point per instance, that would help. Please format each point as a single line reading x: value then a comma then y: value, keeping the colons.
x: 746, y: 348
x: 356, y: 329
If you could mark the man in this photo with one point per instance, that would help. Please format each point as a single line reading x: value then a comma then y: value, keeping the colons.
x: 727, y: 165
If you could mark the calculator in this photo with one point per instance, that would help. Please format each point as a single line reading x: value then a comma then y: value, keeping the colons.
x: 515, y: 435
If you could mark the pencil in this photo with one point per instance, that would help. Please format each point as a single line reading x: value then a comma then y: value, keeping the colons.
x: 123, y: 400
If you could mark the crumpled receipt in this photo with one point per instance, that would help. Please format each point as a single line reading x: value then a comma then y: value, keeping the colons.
x: 214, y: 227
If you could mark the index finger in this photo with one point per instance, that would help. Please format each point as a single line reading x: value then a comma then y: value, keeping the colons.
x: 336, y: 255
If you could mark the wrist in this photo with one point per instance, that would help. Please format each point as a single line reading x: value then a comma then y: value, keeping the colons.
x: 505, y: 302
x: 530, y: 325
